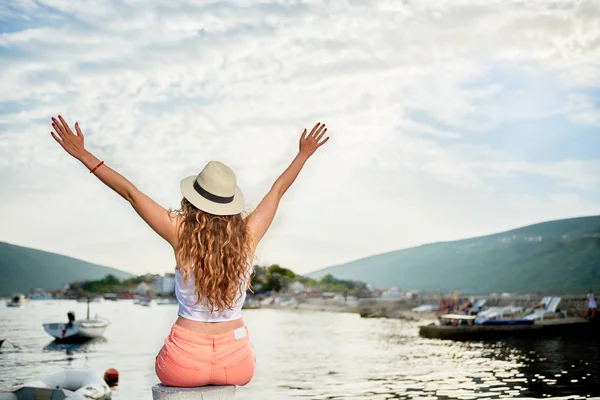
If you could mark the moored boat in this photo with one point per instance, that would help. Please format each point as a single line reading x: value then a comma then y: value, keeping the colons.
x: 495, y: 329
x: 77, y: 330
x: 164, y: 302
x: 17, y: 300
x: 147, y: 303
x: 92, y: 299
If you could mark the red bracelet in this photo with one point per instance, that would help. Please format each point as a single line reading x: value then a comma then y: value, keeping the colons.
x: 96, y: 167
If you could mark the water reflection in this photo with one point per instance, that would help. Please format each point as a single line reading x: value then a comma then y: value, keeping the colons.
x: 425, y: 368
x: 72, y: 348
x: 561, y: 366
x: 315, y: 355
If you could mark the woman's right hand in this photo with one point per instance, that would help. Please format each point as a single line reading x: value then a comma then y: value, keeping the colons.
x: 309, y: 144
x: 72, y: 143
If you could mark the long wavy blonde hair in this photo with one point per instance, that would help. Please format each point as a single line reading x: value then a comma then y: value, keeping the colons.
x: 213, y: 250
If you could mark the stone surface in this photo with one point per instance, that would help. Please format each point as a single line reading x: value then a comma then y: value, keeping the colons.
x: 160, y: 392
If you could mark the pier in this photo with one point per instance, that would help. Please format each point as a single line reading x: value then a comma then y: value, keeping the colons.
x: 546, y: 328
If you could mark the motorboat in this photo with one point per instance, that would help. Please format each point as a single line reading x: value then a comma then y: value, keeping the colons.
x: 17, y: 300
x: 147, y: 302
x: 520, y: 321
x: 93, y: 299
x: 166, y: 301
x: 77, y: 330
x: 67, y: 384
x: 426, y: 308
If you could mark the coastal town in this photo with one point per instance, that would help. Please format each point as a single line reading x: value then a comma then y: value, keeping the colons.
x: 456, y: 314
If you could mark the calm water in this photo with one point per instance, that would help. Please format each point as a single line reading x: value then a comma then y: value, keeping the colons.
x: 310, y: 355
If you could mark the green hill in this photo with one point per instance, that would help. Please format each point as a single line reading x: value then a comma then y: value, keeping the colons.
x: 23, y: 268
x: 558, y: 256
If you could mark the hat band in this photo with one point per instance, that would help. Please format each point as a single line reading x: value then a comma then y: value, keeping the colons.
x: 209, y: 196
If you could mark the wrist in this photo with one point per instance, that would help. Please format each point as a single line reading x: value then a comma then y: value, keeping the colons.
x: 85, y: 155
x: 303, y: 156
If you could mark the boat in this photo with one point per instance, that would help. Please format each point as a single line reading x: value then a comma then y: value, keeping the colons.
x: 147, y: 302
x: 456, y: 319
x: 93, y: 299
x: 1, y: 342
x: 504, y: 328
x: 520, y: 321
x: 40, y: 294
x: 67, y: 384
x: 425, y: 308
x: 77, y: 330
x: 17, y: 300
x: 164, y: 302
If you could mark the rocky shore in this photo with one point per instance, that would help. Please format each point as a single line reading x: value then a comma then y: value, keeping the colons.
x: 574, y: 305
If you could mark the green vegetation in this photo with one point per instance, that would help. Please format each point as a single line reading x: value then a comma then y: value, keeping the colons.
x: 275, y: 278
x: 558, y: 256
x: 109, y: 283
x: 271, y: 279
x: 22, y: 269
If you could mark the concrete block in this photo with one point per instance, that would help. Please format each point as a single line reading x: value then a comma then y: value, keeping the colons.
x: 160, y: 392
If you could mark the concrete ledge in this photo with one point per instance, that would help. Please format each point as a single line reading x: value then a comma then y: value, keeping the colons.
x: 160, y: 392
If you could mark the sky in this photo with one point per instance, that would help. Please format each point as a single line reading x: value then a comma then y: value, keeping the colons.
x: 448, y: 119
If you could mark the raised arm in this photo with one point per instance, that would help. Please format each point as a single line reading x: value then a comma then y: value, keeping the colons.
x: 260, y: 219
x: 155, y: 216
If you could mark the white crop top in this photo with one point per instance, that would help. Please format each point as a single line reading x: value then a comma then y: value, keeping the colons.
x: 188, y: 309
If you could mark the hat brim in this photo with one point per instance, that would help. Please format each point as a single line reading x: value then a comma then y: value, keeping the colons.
x: 235, y: 207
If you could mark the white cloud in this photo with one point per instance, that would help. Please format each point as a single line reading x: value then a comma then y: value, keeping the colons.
x: 581, y: 109
x: 408, y: 91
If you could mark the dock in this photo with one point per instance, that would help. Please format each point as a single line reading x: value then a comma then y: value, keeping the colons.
x: 546, y: 328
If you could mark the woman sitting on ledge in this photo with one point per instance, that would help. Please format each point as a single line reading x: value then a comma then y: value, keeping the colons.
x: 214, y: 246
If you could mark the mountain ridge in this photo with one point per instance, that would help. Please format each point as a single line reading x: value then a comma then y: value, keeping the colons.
x: 23, y: 268
x: 575, y: 241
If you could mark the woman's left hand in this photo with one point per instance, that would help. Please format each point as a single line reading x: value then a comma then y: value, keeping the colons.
x: 72, y: 143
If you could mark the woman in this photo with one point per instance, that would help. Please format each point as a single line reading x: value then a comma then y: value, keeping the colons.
x: 590, y: 313
x: 214, y: 246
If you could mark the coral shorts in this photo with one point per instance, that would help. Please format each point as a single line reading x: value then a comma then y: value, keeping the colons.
x: 192, y: 359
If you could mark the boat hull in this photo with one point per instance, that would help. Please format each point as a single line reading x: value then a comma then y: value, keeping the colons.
x: 567, y: 327
x: 68, y: 384
x: 80, y: 330
x: 15, y: 304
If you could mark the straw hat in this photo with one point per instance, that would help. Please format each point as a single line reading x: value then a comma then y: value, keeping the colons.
x: 214, y: 190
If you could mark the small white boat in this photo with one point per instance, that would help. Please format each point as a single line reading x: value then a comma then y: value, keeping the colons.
x: 94, y: 299
x: 84, y: 329
x: 77, y: 330
x: 147, y: 302
x: 17, y: 300
x: 164, y: 302
x: 67, y: 384
x: 426, y: 308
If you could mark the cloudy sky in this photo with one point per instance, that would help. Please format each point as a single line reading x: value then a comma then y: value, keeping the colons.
x: 448, y: 119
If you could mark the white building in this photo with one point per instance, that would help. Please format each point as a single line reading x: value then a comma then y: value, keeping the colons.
x: 297, y: 287
x: 143, y: 289
x: 164, y: 284
x: 392, y: 292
